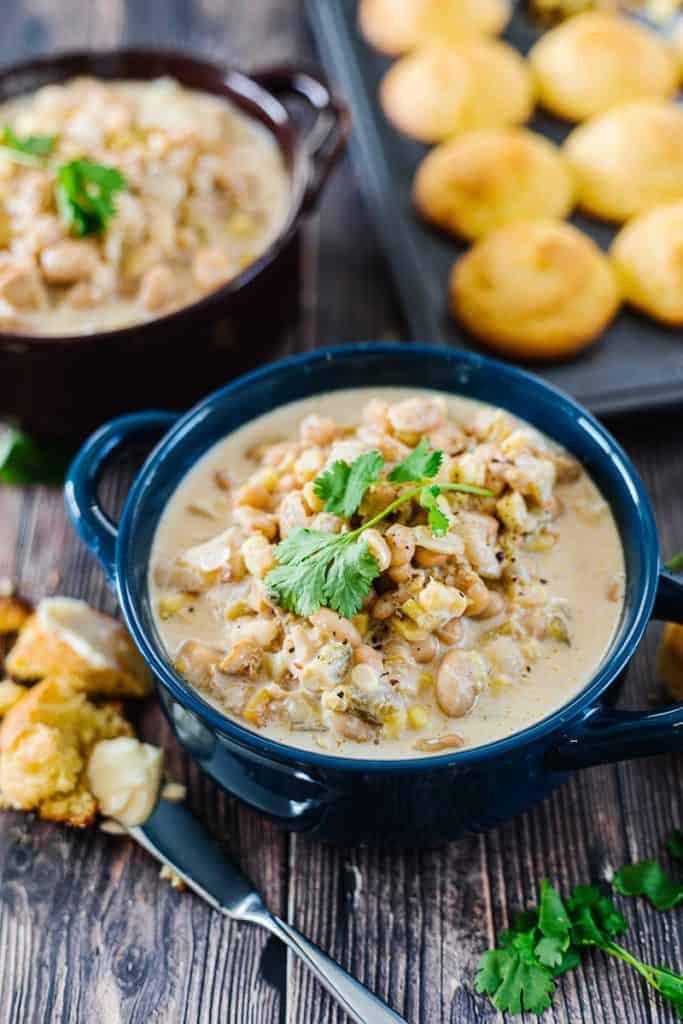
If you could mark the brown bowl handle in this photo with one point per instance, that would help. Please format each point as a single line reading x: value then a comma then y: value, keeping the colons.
x: 327, y: 134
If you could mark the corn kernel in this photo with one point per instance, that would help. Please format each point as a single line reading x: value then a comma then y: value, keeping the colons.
x: 417, y: 716
x: 395, y: 724
x: 258, y: 555
x: 471, y: 469
x: 512, y: 512
x: 408, y: 630
x: 172, y: 604
x: 425, y: 680
x: 314, y: 503
x: 361, y: 622
x: 236, y: 609
x: 256, y: 710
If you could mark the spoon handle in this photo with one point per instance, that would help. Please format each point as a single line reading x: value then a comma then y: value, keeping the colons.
x: 359, y: 1003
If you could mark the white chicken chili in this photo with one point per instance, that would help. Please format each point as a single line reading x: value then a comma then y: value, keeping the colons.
x: 387, y: 573
x: 121, y: 201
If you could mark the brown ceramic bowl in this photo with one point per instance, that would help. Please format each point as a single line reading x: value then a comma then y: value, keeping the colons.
x: 63, y: 386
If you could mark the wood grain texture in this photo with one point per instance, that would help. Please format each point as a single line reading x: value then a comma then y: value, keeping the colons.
x: 88, y: 931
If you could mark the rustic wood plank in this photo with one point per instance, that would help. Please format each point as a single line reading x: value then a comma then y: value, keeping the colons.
x: 87, y: 930
x: 136, y: 950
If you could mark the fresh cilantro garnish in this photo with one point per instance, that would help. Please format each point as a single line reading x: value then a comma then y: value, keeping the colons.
x: 25, y: 461
x: 421, y: 464
x: 343, y: 486
x: 647, y: 878
x: 30, y: 145
x: 674, y: 844
x: 547, y: 941
x: 84, y: 193
x: 513, y: 978
x: 316, y: 569
x: 438, y: 520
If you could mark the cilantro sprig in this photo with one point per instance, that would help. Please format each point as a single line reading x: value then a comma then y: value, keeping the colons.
x: 25, y: 461
x: 84, y: 190
x: 84, y: 193
x: 545, y: 942
x: 316, y: 569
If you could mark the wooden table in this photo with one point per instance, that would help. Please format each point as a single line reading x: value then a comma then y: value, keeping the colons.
x: 89, y: 932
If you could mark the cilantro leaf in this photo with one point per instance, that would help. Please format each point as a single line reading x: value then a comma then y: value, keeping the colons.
x: 438, y: 521
x: 553, y: 919
x: 31, y: 145
x: 670, y: 986
x: 421, y: 464
x: 84, y: 192
x: 513, y: 983
x: 350, y: 577
x: 316, y: 569
x: 595, y: 920
x: 674, y: 844
x: 25, y: 461
x: 647, y: 878
x: 298, y: 581
x: 343, y: 486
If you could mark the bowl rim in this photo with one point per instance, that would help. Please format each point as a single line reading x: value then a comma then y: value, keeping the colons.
x: 606, y: 447
x: 244, y: 83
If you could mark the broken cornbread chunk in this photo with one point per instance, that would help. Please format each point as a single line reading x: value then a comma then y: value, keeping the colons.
x: 10, y: 693
x: 13, y: 613
x: 45, y: 741
x: 66, y: 636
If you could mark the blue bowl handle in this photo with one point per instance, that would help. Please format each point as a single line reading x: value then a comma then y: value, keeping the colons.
x: 604, y: 735
x: 95, y: 528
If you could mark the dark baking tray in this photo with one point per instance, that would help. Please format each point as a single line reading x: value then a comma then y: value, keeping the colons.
x: 636, y: 365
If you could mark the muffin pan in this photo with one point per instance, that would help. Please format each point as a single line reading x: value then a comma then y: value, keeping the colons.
x: 636, y: 365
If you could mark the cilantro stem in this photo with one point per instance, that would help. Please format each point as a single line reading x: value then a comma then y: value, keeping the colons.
x: 623, y: 954
x: 414, y: 492
x: 17, y: 157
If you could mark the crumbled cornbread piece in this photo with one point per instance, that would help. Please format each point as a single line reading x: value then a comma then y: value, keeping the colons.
x: 45, y: 741
x: 66, y: 636
x: 14, y: 612
x: 10, y: 693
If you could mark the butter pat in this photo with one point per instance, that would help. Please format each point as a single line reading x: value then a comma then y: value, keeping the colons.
x: 124, y: 775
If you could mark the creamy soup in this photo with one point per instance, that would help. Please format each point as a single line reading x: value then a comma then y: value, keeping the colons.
x: 121, y: 201
x: 476, y: 619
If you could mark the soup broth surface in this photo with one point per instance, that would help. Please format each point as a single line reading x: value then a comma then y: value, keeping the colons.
x: 555, y: 581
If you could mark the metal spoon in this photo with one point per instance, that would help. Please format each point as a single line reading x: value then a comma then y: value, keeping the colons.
x: 175, y: 837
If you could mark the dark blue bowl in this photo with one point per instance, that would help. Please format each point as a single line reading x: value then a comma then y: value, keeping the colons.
x: 410, y: 802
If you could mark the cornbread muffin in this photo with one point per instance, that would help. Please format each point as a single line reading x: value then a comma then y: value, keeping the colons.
x: 67, y: 636
x: 670, y: 659
x: 396, y: 26
x: 599, y: 60
x: 483, y: 180
x: 45, y: 741
x: 648, y: 258
x: 440, y: 91
x: 535, y: 290
x: 629, y: 159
